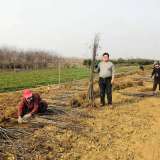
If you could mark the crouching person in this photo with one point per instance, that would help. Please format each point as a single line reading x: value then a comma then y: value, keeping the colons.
x: 31, y: 104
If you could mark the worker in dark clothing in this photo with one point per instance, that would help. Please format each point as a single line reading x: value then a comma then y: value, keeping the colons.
x: 106, y: 78
x: 31, y: 104
x: 141, y: 67
x: 156, y: 74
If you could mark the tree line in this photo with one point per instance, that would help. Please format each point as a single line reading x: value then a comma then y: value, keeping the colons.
x: 30, y: 59
x: 134, y: 61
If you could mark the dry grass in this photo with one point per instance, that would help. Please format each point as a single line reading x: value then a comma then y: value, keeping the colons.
x: 128, y: 132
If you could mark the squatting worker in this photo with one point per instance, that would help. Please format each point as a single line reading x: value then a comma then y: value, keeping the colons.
x: 156, y: 74
x: 106, y: 71
x: 30, y: 104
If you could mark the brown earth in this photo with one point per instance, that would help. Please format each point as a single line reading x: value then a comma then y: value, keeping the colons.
x: 130, y: 131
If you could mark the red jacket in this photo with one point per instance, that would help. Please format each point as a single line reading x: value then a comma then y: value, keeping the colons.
x: 32, y: 107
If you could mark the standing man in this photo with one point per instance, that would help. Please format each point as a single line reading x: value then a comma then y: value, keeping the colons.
x: 106, y: 71
x: 156, y: 74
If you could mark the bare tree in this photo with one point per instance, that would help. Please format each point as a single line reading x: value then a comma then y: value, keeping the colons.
x: 31, y: 59
x: 91, y: 82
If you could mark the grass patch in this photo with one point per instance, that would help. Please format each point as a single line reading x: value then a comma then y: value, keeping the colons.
x: 11, y: 81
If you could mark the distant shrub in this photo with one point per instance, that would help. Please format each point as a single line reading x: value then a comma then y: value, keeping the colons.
x: 136, y: 61
x: 87, y: 62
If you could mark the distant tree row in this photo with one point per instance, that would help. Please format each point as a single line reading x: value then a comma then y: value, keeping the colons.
x: 136, y: 61
x: 20, y: 59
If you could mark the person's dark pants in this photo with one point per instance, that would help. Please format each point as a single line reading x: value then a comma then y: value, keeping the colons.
x: 105, y: 88
x: 42, y: 108
x: 156, y: 83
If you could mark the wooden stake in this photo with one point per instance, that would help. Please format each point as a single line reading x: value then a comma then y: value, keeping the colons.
x: 91, y: 96
x: 59, y: 72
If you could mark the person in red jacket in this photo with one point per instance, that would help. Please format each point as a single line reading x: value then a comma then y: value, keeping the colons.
x: 31, y: 104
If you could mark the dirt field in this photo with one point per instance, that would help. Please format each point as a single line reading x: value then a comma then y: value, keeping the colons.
x: 130, y: 131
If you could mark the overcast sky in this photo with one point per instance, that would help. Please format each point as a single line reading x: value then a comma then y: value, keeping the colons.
x: 128, y: 28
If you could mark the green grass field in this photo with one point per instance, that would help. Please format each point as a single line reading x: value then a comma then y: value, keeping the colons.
x: 12, y: 81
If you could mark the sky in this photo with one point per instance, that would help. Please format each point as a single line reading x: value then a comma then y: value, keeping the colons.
x: 127, y: 28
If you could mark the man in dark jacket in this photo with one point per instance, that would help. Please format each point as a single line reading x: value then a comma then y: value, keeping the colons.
x: 156, y: 74
x: 31, y: 104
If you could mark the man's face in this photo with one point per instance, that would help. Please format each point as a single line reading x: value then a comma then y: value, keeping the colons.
x: 105, y: 58
x: 156, y: 66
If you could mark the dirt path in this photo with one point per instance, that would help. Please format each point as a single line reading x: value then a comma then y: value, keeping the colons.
x: 131, y: 131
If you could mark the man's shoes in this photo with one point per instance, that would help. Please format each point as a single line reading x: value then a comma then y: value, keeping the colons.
x: 102, y: 101
x: 102, y: 105
x: 110, y: 106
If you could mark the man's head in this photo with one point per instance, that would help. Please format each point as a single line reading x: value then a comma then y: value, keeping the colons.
x: 105, y: 57
x: 156, y: 64
x: 27, y: 94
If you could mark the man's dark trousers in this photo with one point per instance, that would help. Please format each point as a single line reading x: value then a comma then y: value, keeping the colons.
x: 105, y: 88
x: 156, y: 83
